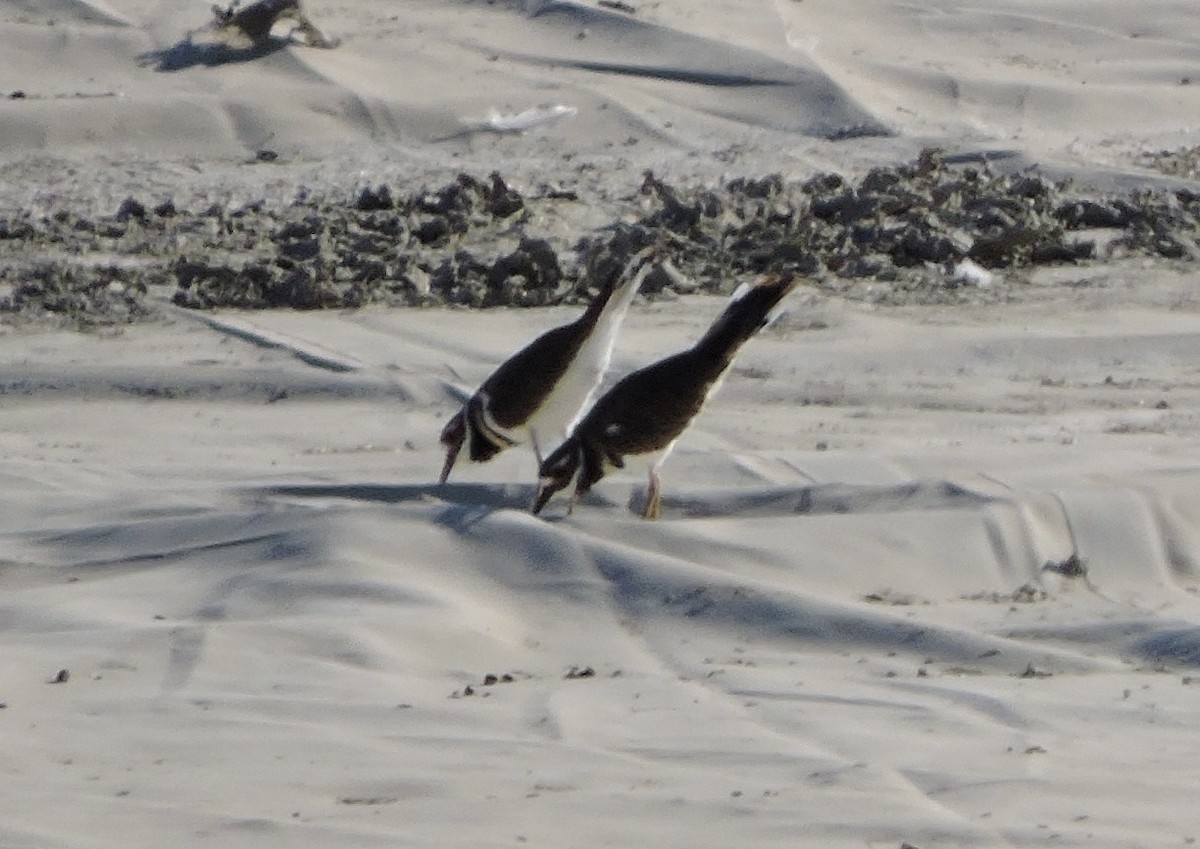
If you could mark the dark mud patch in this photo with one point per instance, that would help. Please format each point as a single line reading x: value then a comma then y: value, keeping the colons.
x: 1182, y: 162
x: 919, y: 233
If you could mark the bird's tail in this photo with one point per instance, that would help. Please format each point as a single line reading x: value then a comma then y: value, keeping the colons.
x: 748, y: 310
x: 618, y: 292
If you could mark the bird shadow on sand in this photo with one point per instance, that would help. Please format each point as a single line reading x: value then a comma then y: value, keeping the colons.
x: 471, y: 501
x: 186, y: 53
x: 491, y: 496
x: 821, y: 499
x: 461, y: 504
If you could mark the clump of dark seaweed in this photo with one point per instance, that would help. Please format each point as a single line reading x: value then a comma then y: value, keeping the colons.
x: 908, y: 226
x: 897, y: 234
x: 376, y: 249
x: 72, y: 296
x: 1181, y: 162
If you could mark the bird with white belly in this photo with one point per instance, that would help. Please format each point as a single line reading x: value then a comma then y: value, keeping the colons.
x: 643, y: 415
x: 536, y: 394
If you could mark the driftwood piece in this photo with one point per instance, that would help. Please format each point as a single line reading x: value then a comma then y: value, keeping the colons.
x: 255, y: 22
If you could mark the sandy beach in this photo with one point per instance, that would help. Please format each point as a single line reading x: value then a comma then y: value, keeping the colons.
x: 928, y: 568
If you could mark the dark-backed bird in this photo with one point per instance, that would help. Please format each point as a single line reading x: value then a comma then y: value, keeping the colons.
x: 644, y: 413
x: 536, y: 394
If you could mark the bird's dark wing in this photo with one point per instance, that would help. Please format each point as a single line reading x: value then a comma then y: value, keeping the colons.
x: 522, y: 382
x: 649, y: 408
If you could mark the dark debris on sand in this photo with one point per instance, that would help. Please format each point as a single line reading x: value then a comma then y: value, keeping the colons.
x: 896, y: 235
x: 256, y: 21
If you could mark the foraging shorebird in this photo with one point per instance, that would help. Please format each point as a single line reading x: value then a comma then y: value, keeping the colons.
x: 644, y: 414
x: 537, y: 393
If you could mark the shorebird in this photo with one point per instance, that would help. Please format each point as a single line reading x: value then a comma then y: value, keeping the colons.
x: 537, y: 393
x: 644, y: 414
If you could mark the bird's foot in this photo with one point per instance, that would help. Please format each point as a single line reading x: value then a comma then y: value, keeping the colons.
x: 653, y: 508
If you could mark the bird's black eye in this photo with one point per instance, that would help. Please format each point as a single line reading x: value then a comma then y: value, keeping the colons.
x: 560, y: 464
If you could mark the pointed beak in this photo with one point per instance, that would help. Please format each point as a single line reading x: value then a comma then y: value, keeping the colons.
x: 545, y: 490
x: 451, y: 455
x: 454, y: 434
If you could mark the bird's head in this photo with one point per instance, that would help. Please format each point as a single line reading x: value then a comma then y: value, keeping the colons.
x: 453, y: 436
x: 557, y: 472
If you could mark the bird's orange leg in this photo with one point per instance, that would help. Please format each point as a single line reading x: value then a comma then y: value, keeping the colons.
x: 653, y: 497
